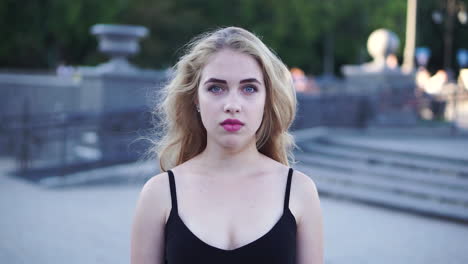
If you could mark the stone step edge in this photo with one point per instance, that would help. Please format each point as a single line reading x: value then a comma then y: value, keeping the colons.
x: 390, y: 186
x: 338, y: 142
x: 460, y: 184
x: 390, y: 201
x: 418, y: 164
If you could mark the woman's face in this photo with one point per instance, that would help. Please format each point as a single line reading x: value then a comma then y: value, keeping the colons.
x: 231, y: 96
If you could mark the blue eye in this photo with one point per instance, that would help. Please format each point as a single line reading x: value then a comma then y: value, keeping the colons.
x: 215, y: 89
x: 250, y: 89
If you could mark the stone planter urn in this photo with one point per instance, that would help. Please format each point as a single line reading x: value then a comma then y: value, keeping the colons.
x: 118, y: 42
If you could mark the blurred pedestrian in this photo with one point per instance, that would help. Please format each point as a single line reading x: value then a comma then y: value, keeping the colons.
x: 63, y: 70
x: 303, y: 83
x: 227, y: 193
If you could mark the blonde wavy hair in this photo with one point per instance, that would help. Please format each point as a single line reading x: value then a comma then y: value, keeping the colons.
x: 180, y: 132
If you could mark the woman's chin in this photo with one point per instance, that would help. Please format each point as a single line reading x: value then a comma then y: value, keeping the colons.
x: 235, y: 144
x: 232, y: 144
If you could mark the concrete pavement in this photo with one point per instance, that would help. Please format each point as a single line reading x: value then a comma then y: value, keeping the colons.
x: 91, y: 224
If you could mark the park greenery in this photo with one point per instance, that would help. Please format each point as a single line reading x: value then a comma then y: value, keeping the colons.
x: 314, y: 35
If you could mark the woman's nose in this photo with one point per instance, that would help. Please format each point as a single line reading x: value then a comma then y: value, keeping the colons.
x: 232, y: 107
x: 232, y: 104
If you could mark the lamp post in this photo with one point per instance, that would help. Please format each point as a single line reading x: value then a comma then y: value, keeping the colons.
x: 452, y: 8
x: 410, y: 39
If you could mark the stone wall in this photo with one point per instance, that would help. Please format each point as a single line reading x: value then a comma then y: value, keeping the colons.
x: 42, y: 93
x: 339, y: 110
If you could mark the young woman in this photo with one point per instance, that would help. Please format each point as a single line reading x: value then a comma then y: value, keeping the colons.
x: 227, y: 193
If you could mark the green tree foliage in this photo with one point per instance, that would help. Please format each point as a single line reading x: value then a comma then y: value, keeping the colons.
x: 295, y: 29
x: 41, y: 33
x: 305, y: 33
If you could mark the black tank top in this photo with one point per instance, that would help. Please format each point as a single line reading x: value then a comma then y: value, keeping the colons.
x: 276, y: 246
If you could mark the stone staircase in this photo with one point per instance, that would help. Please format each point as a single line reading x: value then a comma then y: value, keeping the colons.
x: 425, y: 183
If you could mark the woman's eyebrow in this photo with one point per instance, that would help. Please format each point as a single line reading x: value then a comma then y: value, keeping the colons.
x: 250, y: 80
x: 215, y: 81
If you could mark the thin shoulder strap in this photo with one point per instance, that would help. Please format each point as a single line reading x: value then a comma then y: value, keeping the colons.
x: 288, y: 189
x: 173, y: 190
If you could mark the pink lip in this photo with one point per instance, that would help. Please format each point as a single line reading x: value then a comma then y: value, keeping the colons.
x: 232, y: 125
x: 232, y: 122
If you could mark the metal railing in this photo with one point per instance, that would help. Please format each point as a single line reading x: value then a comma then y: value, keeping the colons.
x: 61, y: 143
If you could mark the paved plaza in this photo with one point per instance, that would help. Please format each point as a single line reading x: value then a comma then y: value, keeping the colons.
x: 91, y: 224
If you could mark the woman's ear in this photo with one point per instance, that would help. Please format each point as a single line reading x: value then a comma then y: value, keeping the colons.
x: 197, y: 105
x: 195, y: 98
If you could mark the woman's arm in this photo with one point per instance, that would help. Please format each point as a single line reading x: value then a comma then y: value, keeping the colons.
x: 309, y: 226
x: 147, y: 235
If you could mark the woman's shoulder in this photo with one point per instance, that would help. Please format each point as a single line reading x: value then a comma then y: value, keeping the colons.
x: 304, y: 182
x: 304, y: 193
x: 149, y: 219
x: 155, y: 194
x: 156, y: 184
x: 302, y: 185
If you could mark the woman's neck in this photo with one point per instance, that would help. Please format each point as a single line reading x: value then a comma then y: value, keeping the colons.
x: 216, y: 157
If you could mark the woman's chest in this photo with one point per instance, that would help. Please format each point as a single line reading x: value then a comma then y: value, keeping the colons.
x: 276, y: 245
x: 228, y: 221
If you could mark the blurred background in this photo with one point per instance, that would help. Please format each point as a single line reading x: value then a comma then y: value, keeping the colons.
x: 382, y: 121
